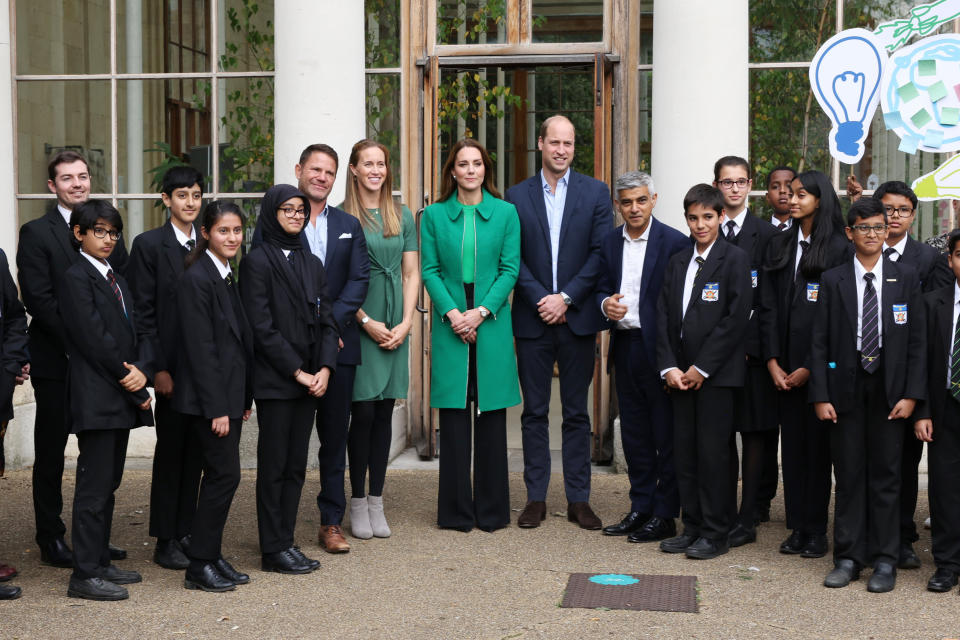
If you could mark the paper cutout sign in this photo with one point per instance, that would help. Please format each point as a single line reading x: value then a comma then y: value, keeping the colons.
x: 941, y: 183
x: 924, y: 19
x: 920, y: 96
x: 845, y: 76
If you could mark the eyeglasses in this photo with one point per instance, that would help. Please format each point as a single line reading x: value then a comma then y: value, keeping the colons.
x: 728, y: 184
x: 292, y: 212
x: 867, y: 229
x: 898, y: 212
x: 100, y: 232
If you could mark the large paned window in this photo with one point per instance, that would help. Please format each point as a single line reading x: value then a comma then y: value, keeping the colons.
x: 787, y: 126
x: 140, y: 85
x: 383, y: 71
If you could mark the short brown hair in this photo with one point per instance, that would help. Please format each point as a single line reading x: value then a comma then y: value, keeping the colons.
x: 67, y: 156
x: 319, y: 148
x: 546, y: 124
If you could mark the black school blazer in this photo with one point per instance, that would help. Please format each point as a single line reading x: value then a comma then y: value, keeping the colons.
x: 13, y: 329
x: 100, y: 338
x: 717, y: 315
x: 216, y: 348
x: 833, y: 351
x: 281, y: 343
x: 939, y: 318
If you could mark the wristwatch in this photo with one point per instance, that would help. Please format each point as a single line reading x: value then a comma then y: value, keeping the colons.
x: 567, y: 300
x: 364, y: 319
x: 483, y: 313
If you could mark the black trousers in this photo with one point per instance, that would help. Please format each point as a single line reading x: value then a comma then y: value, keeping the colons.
x: 285, y: 427
x: 703, y: 423
x: 943, y: 457
x: 50, y: 433
x: 535, y: 358
x: 806, y: 463
x: 866, y: 449
x: 99, y: 472
x: 333, y: 419
x: 909, y: 479
x: 220, y: 459
x: 176, y: 474
x: 368, y: 444
x: 770, y: 475
x: 646, y: 428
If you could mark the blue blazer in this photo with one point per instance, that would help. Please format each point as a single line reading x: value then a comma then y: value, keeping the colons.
x: 662, y: 243
x: 348, y: 275
x: 587, y: 217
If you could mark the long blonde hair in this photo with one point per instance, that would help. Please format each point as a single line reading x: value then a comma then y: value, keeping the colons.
x: 390, y: 211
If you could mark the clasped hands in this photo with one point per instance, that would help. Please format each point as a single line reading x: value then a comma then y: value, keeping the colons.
x: 388, y: 339
x: 552, y: 309
x: 689, y: 380
x: 316, y: 383
x: 465, y: 324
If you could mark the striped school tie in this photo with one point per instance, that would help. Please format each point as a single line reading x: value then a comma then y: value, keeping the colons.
x: 870, y: 330
x: 955, y: 365
x: 700, y: 262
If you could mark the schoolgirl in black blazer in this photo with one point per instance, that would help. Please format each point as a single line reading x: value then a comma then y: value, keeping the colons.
x: 213, y: 389
x: 295, y: 338
x: 108, y: 366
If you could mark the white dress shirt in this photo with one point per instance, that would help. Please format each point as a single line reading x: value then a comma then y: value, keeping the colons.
x: 898, y: 248
x: 554, y: 202
x: 103, y: 267
x: 776, y: 223
x: 737, y: 223
x: 858, y: 271
x: 182, y: 238
x: 316, y: 233
x: 65, y: 213
x: 223, y: 269
x: 634, y: 253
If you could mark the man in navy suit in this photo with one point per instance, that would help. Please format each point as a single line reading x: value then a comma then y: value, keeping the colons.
x: 634, y: 258
x: 44, y: 254
x: 336, y: 237
x: 563, y: 217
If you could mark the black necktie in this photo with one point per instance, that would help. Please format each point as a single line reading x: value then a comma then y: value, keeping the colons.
x: 891, y: 254
x: 290, y: 258
x: 804, y: 245
x: 781, y: 226
x: 731, y: 227
x: 869, y: 327
x: 700, y: 262
x: 189, y: 245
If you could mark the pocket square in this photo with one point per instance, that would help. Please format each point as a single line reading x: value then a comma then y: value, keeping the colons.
x: 345, y: 235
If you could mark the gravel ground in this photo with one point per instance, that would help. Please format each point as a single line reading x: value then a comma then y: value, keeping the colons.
x: 428, y: 583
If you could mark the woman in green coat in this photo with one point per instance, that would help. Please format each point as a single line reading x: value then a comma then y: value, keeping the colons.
x: 470, y: 256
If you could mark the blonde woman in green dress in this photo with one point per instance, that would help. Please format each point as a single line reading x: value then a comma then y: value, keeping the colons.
x: 385, y: 318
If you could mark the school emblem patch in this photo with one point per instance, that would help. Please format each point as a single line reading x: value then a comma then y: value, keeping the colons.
x: 753, y: 278
x: 711, y: 292
x: 900, y: 314
x: 813, y: 291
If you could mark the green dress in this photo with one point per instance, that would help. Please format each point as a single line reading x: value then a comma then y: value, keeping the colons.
x: 385, y: 374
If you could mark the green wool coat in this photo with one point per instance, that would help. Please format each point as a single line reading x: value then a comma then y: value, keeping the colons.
x: 497, y: 266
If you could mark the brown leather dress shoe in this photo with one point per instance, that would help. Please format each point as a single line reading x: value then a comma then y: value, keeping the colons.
x: 532, y: 515
x: 332, y: 540
x: 583, y: 515
x: 6, y: 572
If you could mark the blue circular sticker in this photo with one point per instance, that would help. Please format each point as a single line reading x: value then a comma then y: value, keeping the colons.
x: 615, y: 579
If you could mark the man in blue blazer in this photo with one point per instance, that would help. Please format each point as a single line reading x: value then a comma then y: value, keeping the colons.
x: 336, y: 237
x: 633, y: 259
x: 563, y: 217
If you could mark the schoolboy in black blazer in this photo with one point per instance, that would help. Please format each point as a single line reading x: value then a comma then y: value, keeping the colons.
x: 109, y: 364
x: 703, y: 314
x: 869, y: 331
x: 156, y: 264
x: 44, y: 252
x: 938, y: 423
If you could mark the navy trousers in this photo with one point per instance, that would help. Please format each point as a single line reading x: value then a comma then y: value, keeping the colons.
x: 333, y: 420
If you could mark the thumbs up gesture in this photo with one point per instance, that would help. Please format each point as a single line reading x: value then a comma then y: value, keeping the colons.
x: 613, y: 309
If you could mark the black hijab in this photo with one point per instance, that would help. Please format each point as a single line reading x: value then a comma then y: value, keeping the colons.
x: 276, y: 240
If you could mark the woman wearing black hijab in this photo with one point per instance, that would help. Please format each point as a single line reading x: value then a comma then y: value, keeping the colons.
x: 284, y: 293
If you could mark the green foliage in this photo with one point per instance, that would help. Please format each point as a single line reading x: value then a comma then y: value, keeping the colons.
x: 480, y: 17
x: 383, y: 90
x: 169, y: 161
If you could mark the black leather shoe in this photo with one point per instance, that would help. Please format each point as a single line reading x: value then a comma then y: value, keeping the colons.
x: 908, y: 557
x: 116, y: 553
x: 883, y: 579
x: 299, y: 555
x: 532, y: 515
x: 226, y: 570
x: 844, y: 572
x: 794, y: 544
x: 283, y: 562
x: 116, y: 575
x: 678, y: 544
x: 815, y: 547
x: 740, y: 535
x: 631, y: 522
x: 169, y: 555
x: 8, y: 592
x: 942, y: 580
x: 706, y: 549
x: 207, y: 578
x: 57, y: 554
x: 656, y: 528
x: 96, y: 589
x: 185, y: 544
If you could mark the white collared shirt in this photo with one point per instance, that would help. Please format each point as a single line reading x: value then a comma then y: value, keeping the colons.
x: 65, y: 213
x: 182, y: 238
x: 102, y: 268
x: 776, y: 223
x: 223, y: 269
x: 898, y: 248
x: 634, y: 253
x: 859, y: 271
x: 796, y: 263
x: 316, y: 232
x: 737, y: 223
x: 953, y: 328
x: 554, y: 202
